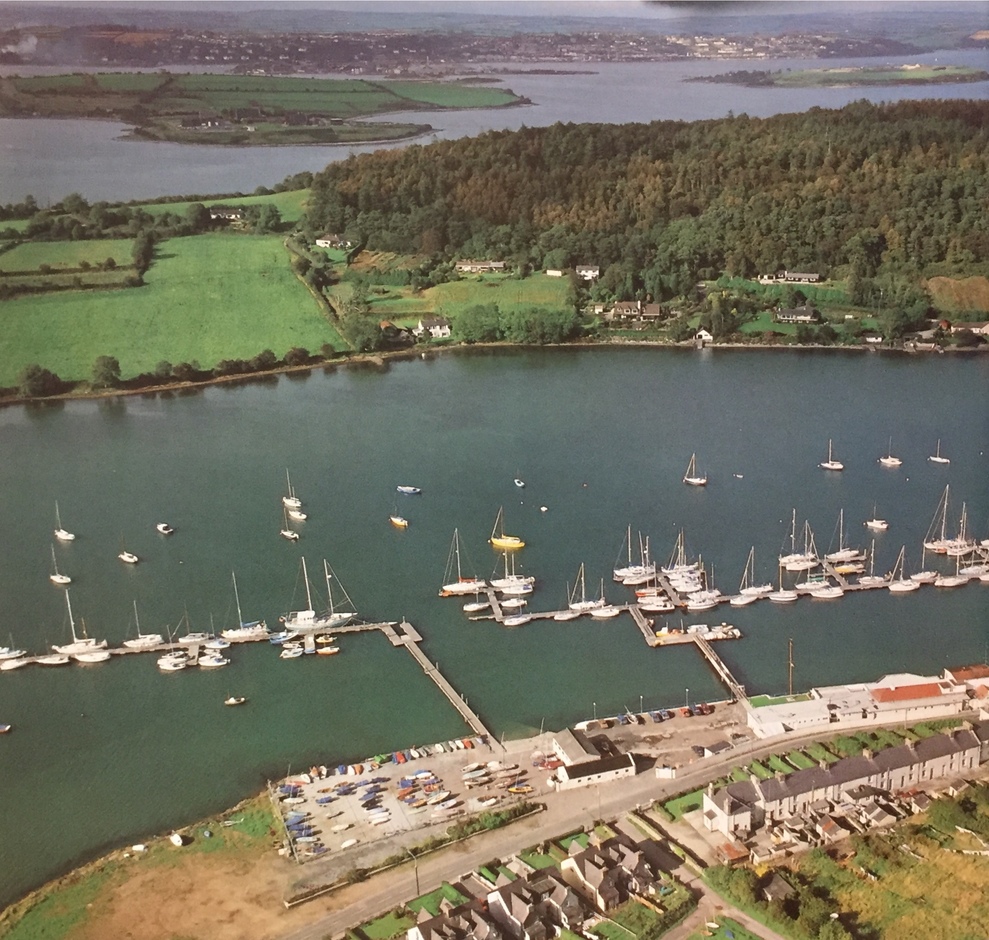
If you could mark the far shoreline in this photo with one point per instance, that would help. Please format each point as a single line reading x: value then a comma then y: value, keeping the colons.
x: 381, y: 359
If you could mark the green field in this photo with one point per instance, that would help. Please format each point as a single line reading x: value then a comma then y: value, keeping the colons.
x: 29, y: 256
x: 290, y: 204
x: 907, y: 74
x: 401, y: 306
x: 207, y: 297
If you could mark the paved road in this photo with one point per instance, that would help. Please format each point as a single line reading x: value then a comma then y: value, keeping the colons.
x: 565, y: 812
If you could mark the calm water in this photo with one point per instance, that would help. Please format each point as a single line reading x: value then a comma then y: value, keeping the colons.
x: 51, y: 158
x: 106, y: 754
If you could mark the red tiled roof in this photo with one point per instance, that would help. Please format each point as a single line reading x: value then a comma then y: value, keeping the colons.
x: 966, y: 673
x: 906, y: 693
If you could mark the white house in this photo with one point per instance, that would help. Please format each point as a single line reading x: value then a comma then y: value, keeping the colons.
x: 588, y: 271
x: 437, y: 327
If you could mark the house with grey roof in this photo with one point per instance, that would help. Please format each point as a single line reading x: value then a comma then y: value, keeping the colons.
x: 467, y: 921
x: 741, y: 808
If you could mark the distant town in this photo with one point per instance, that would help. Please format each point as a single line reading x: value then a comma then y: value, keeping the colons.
x: 426, y: 53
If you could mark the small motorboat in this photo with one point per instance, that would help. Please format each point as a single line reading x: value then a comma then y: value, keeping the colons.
x: 128, y: 558
x: 234, y: 700
x: 409, y: 490
x: 5, y: 728
x: 176, y: 839
x: 520, y: 483
x: 164, y: 528
x: 400, y: 522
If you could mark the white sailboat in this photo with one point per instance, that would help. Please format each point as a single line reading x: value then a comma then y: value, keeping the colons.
x: 645, y: 569
x: 249, y: 630
x: 512, y: 583
x: 875, y: 523
x: 290, y: 500
x: 143, y: 640
x: 56, y: 577
x: 831, y: 463
x: 128, y: 558
x: 781, y: 596
x: 899, y: 583
x: 951, y: 580
x: 748, y: 590
x: 936, y: 456
x: 63, y: 535
x: 936, y: 539
x: 578, y: 600
x: 285, y: 532
x: 889, y: 460
x: 872, y: 577
x: 843, y: 553
x: 924, y: 576
x: 962, y: 544
x: 692, y: 477
x: 462, y: 585
x: 308, y: 620
x: 83, y: 644
x: 804, y: 560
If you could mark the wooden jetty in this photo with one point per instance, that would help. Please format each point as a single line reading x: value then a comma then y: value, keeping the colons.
x: 409, y: 639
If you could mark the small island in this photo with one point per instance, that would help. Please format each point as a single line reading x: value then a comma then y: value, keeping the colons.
x: 850, y: 76
x: 243, y: 110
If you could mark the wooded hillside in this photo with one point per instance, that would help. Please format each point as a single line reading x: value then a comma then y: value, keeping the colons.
x: 867, y: 190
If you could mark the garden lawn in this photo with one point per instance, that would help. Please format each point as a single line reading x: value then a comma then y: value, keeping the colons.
x: 431, y: 902
x: 207, y: 298
x: 684, y: 804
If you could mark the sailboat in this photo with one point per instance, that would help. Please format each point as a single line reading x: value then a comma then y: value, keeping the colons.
x: 83, y: 644
x: 899, y: 583
x: 889, y: 460
x: 633, y: 574
x: 290, y: 500
x: 56, y: 577
x: 308, y: 619
x: 498, y: 538
x: 781, y: 596
x: 872, y: 577
x: 512, y: 583
x: 875, y: 523
x: 143, y: 641
x: 461, y: 585
x: 962, y: 543
x: 692, y: 477
x: 936, y: 539
x: 578, y: 600
x: 800, y: 561
x: 285, y: 532
x: 128, y: 558
x: 951, y: 580
x: 604, y: 610
x: 400, y: 522
x: 843, y: 553
x: 936, y: 456
x: 61, y: 534
x: 747, y: 587
x: 831, y: 463
x: 924, y: 576
x: 245, y: 630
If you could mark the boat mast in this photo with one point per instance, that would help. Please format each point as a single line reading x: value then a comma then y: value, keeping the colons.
x: 72, y: 624
x: 240, y: 618
x: 136, y: 621
x: 305, y: 575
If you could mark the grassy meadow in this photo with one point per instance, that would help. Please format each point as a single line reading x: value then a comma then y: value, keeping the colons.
x: 289, y: 204
x: 68, y: 255
x: 403, y: 307
x: 207, y: 298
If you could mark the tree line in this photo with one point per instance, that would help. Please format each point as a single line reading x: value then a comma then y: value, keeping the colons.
x: 869, y: 191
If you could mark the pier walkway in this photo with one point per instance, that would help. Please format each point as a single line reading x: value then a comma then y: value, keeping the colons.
x: 409, y: 639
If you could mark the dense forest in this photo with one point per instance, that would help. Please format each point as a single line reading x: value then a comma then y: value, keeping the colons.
x: 899, y: 191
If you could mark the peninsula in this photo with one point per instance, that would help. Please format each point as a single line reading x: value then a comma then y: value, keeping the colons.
x: 243, y: 110
x: 850, y: 76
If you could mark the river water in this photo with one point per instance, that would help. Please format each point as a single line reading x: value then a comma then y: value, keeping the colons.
x: 52, y: 158
x: 105, y: 754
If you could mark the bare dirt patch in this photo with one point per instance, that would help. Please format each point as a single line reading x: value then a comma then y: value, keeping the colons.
x: 197, y: 896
